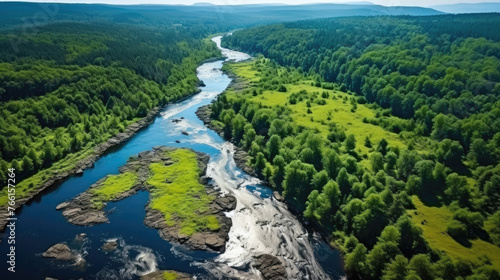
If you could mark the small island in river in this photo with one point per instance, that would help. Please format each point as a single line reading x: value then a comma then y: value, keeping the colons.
x: 183, y: 206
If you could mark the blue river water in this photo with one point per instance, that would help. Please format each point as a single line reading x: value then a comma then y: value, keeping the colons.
x: 260, y: 223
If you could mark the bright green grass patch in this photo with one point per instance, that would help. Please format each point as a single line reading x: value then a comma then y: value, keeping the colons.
x: 246, y: 70
x: 339, y: 110
x: 178, y: 194
x: 271, y: 98
x: 169, y: 275
x: 341, y: 114
x: 112, y: 187
x: 434, y: 230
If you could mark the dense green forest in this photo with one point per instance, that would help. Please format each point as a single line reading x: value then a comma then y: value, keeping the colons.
x: 73, y: 75
x: 74, y: 85
x: 383, y: 131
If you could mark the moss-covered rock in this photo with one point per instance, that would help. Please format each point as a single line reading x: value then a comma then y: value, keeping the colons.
x: 183, y: 206
x: 166, y: 275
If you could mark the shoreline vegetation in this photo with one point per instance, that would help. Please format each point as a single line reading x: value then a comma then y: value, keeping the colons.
x: 68, y: 151
x: 270, y: 109
x: 86, y: 159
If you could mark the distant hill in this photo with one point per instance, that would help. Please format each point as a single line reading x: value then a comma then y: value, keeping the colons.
x: 467, y: 8
x: 225, y: 17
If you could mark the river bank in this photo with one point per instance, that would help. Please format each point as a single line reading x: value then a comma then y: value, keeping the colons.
x: 241, y: 157
x: 265, y: 239
x: 242, y: 160
x: 57, y: 176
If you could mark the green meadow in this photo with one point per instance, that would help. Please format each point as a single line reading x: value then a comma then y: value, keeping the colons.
x: 373, y: 179
x: 113, y: 186
x: 337, y: 108
x: 177, y: 193
x: 434, y: 220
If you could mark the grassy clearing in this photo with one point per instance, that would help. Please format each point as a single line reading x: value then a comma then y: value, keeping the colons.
x: 246, y: 70
x: 337, y: 108
x: 434, y: 230
x: 170, y: 275
x: 112, y: 187
x: 178, y: 194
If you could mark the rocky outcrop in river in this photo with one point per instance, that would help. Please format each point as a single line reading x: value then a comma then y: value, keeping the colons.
x: 270, y: 267
x: 82, y: 210
x: 60, y: 251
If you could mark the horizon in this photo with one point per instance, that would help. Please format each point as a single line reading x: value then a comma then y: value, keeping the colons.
x: 388, y: 3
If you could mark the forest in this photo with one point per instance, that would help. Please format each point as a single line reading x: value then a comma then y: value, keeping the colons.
x: 384, y: 132
x: 74, y: 85
x: 74, y: 75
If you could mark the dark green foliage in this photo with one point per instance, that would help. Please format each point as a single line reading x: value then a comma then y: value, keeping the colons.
x: 350, y: 142
x: 297, y: 181
x: 454, y: 95
x: 356, y: 261
x: 66, y: 89
x: 377, y: 161
x: 425, y: 79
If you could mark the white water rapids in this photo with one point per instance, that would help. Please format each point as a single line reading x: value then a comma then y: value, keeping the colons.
x: 260, y: 225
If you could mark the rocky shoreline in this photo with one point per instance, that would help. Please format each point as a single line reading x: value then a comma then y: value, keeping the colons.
x: 80, y: 166
x: 83, y: 164
x: 82, y: 211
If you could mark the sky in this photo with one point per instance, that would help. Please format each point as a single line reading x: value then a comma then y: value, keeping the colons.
x: 423, y: 3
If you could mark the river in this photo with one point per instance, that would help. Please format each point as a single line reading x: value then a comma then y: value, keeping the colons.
x: 261, y: 224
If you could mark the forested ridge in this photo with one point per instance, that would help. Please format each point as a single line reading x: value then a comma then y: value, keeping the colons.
x: 383, y: 131
x: 73, y: 75
x: 74, y: 85
x: 213, y: 18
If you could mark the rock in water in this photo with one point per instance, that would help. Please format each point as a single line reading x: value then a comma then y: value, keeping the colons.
x: 60, y: 251
x: 80, y: 238
x: 62, y: 205
x: 270, y: 267
x: 109, y: 246
x: 278, y: 196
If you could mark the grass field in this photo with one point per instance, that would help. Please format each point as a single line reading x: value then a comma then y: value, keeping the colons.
x: 170, y: 275
x: 113, y: 186
x: 177, y: 193
x: 337, y: 107
x: 433, y: 221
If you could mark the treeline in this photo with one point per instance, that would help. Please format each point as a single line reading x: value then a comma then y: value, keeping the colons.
x: 149, y: 52
x: 74, y: 85
x: 435, y: 71
x: 365, y: 208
